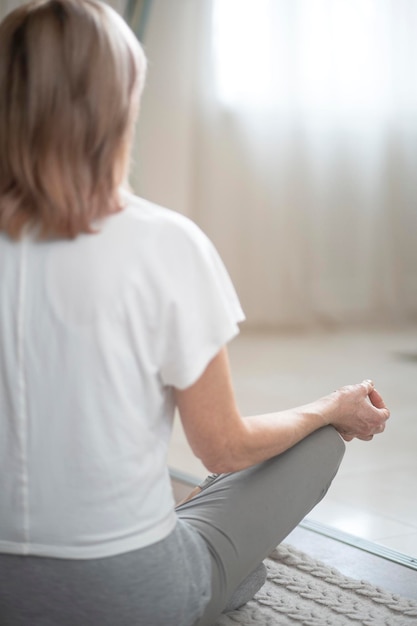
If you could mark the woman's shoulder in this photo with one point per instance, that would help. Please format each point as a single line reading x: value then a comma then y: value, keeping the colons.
x: 145, y: 212
x: 153, y: 221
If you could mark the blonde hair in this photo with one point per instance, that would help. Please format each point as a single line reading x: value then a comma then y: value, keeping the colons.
x: 71, y: 74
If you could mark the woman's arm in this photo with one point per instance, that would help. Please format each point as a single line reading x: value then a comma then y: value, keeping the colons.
x: 227, y: 442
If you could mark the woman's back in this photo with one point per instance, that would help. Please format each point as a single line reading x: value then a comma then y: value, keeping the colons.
x: 85, y: 410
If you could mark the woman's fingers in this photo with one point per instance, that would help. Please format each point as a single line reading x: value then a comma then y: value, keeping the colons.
x: 368, y: 386
x: 366, y: 437
x: 377, y: 400
x: 374, y: 395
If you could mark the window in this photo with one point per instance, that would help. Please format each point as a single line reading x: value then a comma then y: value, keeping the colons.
x: 313, y: 57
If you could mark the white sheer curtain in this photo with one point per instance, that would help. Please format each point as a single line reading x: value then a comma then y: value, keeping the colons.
x: 306, y: 158
x: 288, y: 130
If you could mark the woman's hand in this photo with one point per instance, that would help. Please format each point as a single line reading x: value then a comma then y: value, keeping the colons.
x: 356, y: 411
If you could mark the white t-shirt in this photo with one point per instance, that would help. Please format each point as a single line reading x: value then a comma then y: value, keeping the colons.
x: 94, y: 334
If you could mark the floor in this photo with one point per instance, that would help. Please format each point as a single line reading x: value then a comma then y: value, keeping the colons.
x: 374, y: 495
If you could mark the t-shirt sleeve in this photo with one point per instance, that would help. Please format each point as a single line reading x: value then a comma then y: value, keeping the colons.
x: 199, y: 311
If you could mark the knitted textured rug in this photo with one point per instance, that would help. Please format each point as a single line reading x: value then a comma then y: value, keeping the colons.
x: 305, y: 592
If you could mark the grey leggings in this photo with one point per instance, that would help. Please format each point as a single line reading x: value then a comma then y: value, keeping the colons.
x: 222, y: 535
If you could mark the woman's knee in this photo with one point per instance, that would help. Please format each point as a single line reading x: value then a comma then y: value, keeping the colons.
x: 330, y: 443
x: 328, y: 448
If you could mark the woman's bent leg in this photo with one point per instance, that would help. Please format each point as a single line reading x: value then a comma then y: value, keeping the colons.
x: 243, y: 516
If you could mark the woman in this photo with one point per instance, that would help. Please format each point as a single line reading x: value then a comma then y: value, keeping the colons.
x: 114, y: 311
